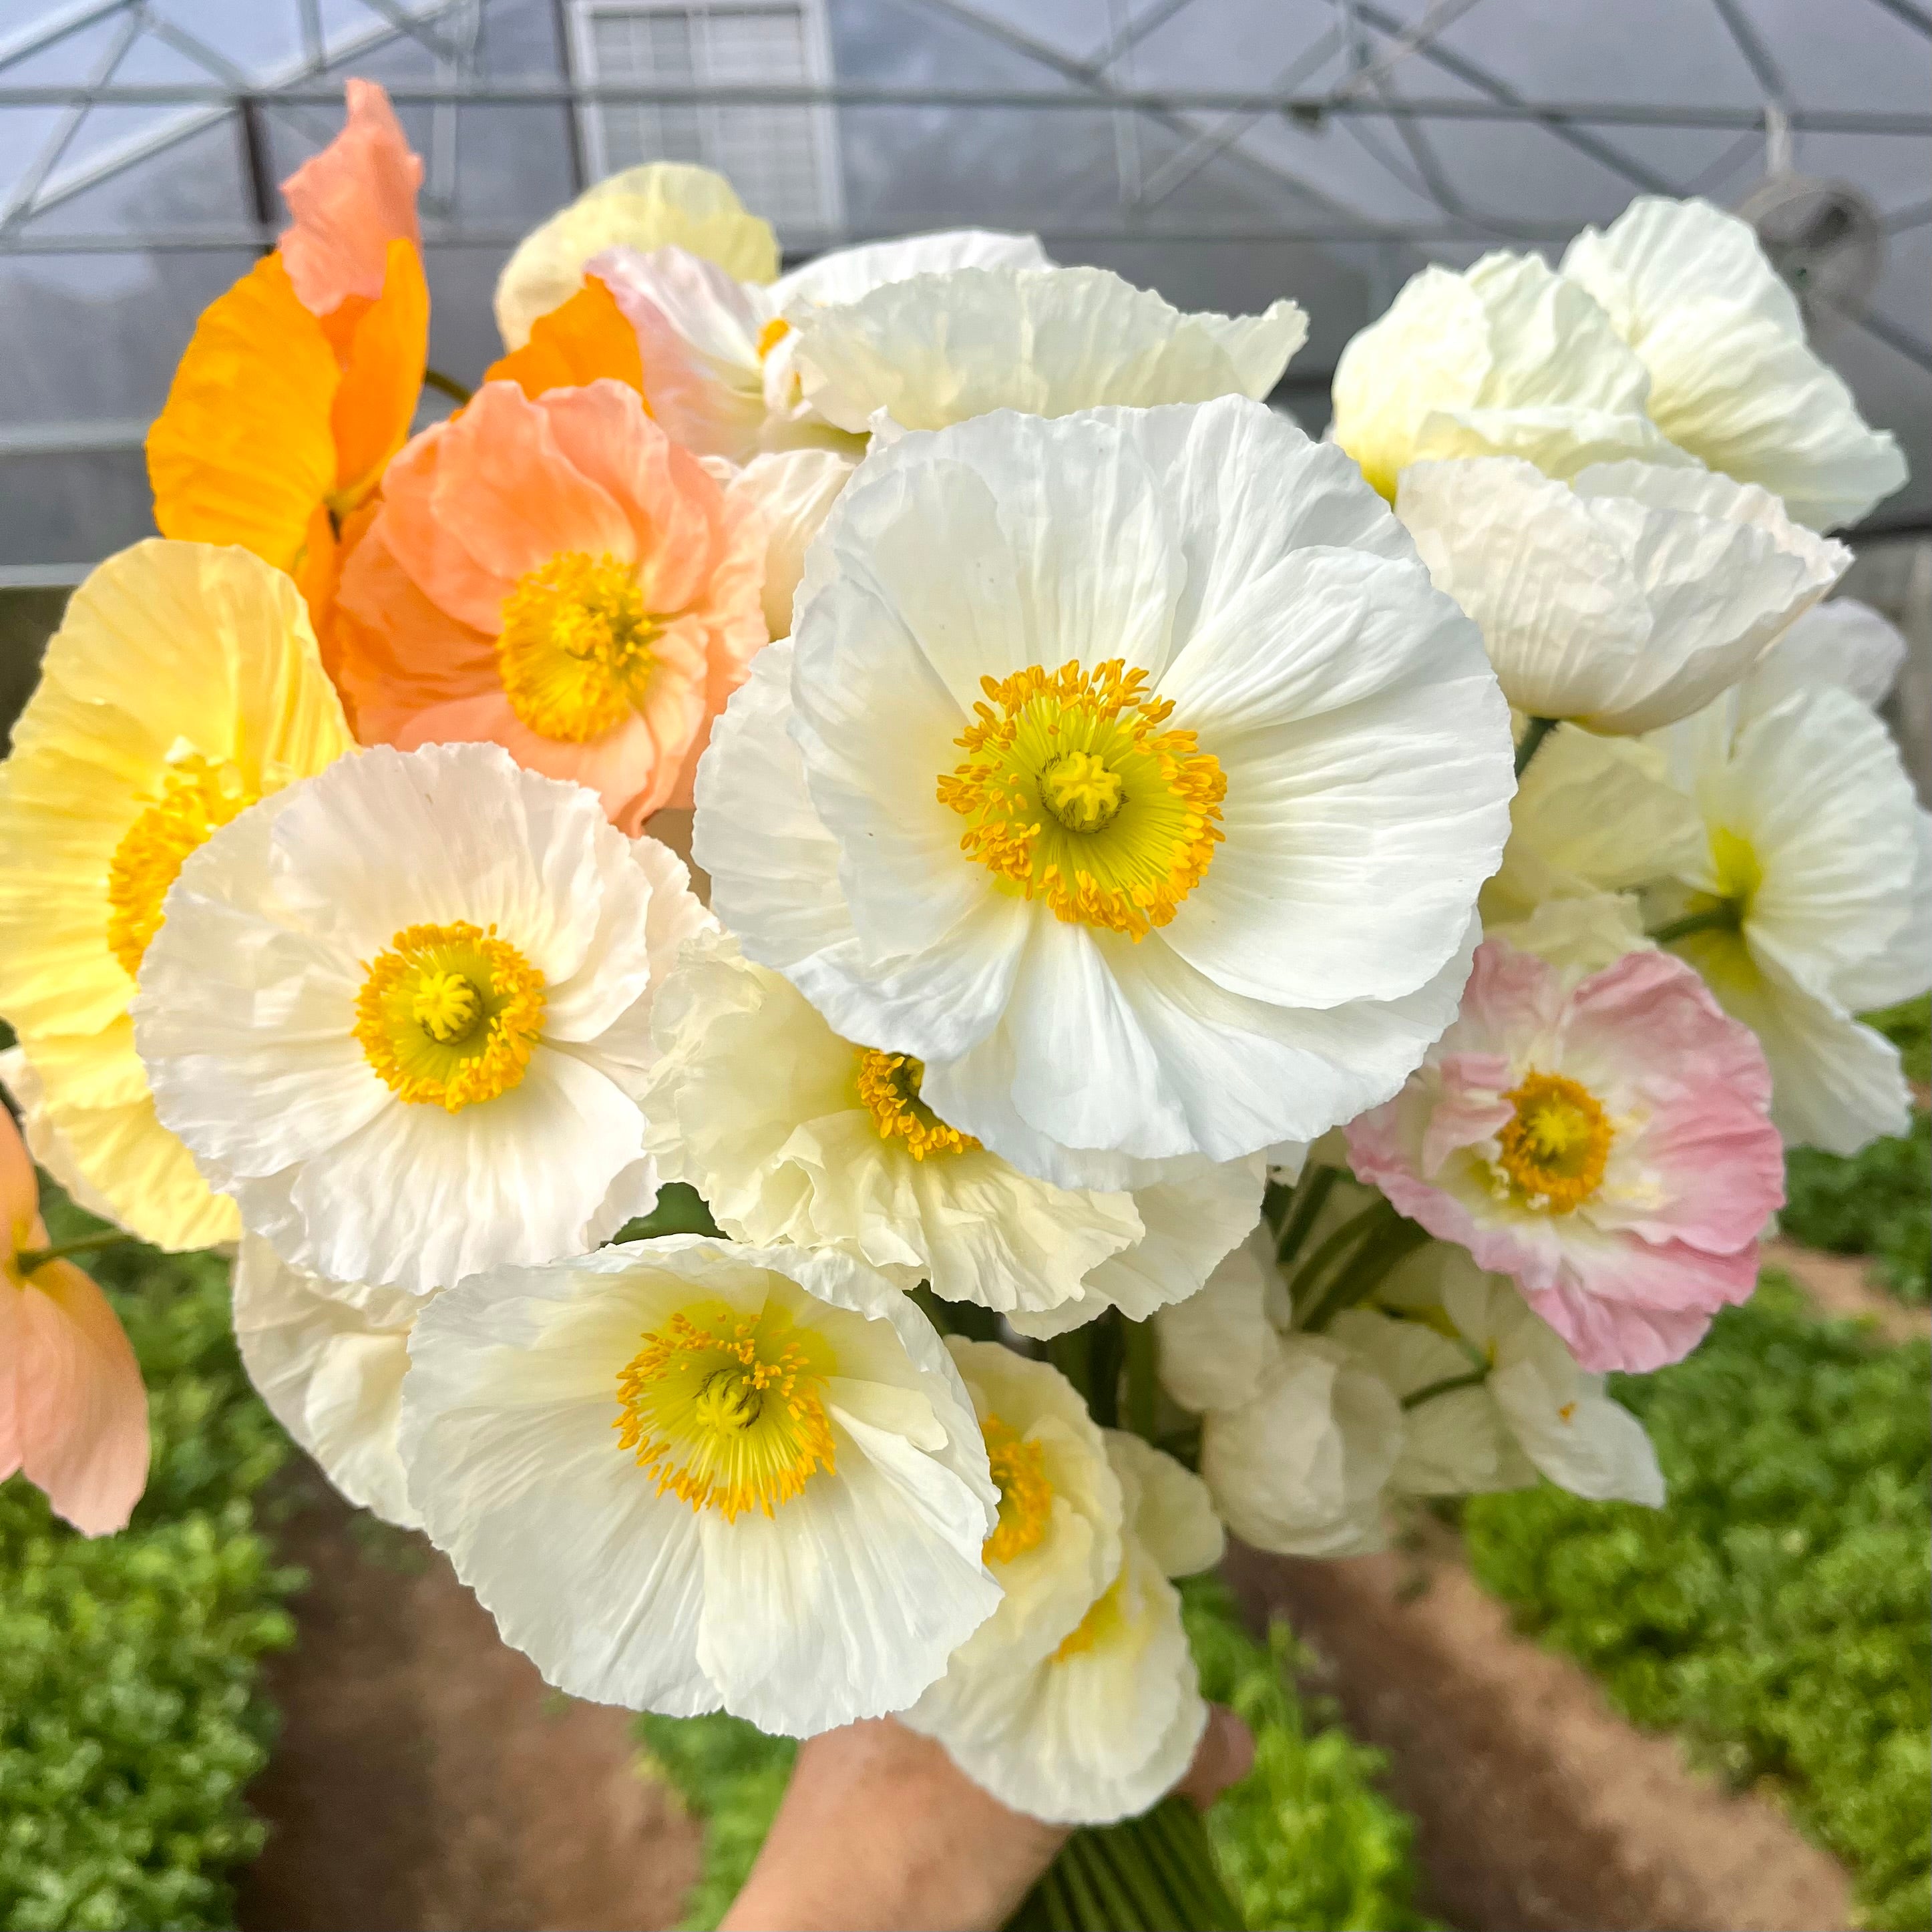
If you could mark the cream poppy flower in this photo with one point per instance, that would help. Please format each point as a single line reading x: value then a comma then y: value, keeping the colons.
x: 792, y: 491
x: 1732, y: 378
x: 685, y: 1476
x: 329, y: 1358
x: 1625, y: 599
x: 721, y: 352
x: 1505, y: 358
x: 1845, y: 644
x: 400, y: 1013
x: 937, y: 349
x: 183, y: 684
x: 1078, y: 1702
x: 1300, y: 1435
x: 1498, y: 1400
x: 792, y: 1133
x: 1148, y: 811
x: 660, y: 204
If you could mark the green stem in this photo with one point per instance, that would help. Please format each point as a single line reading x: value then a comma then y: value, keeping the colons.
x: 1718, y: 919
x: 1105, y: 1347
x: 1143, y: 1377
x: 1366, y: 1268
x: 1310, y: 1199
x: 1472, y: 1378
x: 1071, y: 1354
x: 1153, y: 1873
x: 27, y: 1260
x: 1534, y: 734
x: 1331, y: 1252
x: 448, y: 385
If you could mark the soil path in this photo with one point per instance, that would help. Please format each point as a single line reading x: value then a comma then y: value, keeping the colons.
x: 1539, y: 1809
x: 426, y: 1779
x: 1836, y: 1286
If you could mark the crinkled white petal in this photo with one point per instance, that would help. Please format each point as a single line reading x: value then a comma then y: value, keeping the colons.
x: 843, y: 1603
x: 329, y: 1358
x: 793, y: 490
x: 1216, y: 1346
x: 845, y: 275
x: 1842, y: 642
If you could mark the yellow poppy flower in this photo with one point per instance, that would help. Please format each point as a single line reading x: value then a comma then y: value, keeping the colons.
x: 183, y: 684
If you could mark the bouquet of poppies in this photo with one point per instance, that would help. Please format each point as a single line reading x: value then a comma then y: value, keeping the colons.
x: 862, y: 955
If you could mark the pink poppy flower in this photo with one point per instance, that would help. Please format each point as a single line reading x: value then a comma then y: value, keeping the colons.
x: 558, y: 576
x: 1609, y: 1147
x: 73, y: 1415
x: 349, y: 203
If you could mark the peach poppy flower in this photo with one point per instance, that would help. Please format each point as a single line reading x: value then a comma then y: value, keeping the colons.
x: 73, y: 1415
x: 557, y: 576
x: 300, y: 382
x: 580, y: 340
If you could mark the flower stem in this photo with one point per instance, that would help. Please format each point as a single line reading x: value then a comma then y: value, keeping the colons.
x: 28, y: 1259
x: 1718, y: 919
x: 1143, y: 1376
x: 1472, y: 1378
x: 1534, y: 734
x: 1105, y: 1347
x: 1386, y: 1245
x: 1153, y: 1873
x: 448, y: 385
x: 1331, y: 1252
x: 1309, y: 1198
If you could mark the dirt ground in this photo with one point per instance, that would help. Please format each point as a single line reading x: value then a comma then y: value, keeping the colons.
x: 1837, y: 1285
x: 426, y: 1778
x: 1539, y: 1809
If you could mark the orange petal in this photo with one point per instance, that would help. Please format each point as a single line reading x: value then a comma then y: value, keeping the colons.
x: 585, y: 338
x: 242, y: 451
x: 377, y: 401
x: 74, y: 1420
x: 350, y: 202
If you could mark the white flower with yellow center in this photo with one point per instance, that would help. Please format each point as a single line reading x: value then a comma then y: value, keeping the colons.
x: 1625, y: 599
x: 183, y: 685
x: 792, y: 1133
x: 401, y: 1013
x: 937, y: 349
x: 661, y: 204
x: 721, y: 371
x: 329, y: 1358
x: 1147, y: 812
x: 685, y: 1475
x: 1077, y: 1702
x: 1731, y: 378
x: 1505, y: 358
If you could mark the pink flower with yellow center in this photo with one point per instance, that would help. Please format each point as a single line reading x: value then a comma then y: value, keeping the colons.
x: 557, y: 577
x: 1609, y: 1146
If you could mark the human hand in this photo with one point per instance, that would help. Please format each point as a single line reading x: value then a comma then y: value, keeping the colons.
x: 879, y: 1828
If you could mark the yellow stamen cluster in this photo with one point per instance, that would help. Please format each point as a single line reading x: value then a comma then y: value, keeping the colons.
x: 574, y: 649
x: 1075, y: 793
x: 774, y: 332
x: 450, y: 1014
x: 200, y: 797
x: 1103, y: 1618
x: 1554, y: 1149
x: 725, y: 1409
x: 1026, y: 1496
x: 888, y: 1085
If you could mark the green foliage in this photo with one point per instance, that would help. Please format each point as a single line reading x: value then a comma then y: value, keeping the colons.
x: 1776, y: 1613
x: 1879, y: 1202
x: 130, y: 1725
x: 1909, y: 1027
x: 1305, y: 1839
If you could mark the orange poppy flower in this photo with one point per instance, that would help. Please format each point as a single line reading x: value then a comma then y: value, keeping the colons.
x: 581, y: 339
x: 300, y: 382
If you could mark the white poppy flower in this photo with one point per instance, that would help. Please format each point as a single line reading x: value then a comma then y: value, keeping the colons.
x: 937, y: 349
x: 1148, y: 811
x: 1503, y: 1402
x: 400, y: 1012
x: 1625, y: 599
x: 660, y: 204
x: 1505, y: 358
x: 329, y: 1358
x: 1732, y: 378
x: 792, y: 1133
x: 1096, y: 1724
x: 1844, y: 643
x: 793, y: 490
x: 684, y: 1475
x: 721, y: 354
x: 1300, y: 1435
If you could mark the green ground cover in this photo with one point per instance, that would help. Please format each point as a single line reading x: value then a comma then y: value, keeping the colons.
x: 1777, y: 1613
x: 1306, y: 1840
x: 129, y: 1719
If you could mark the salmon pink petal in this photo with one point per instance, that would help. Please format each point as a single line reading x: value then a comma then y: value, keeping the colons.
x: 350, y: 203
x: 73, y: 1415
x: 1639, y: 1306
x: 431, y: 551
x: 19, y: 1192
